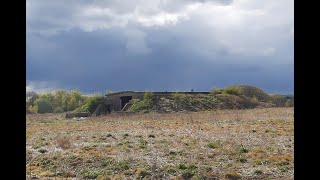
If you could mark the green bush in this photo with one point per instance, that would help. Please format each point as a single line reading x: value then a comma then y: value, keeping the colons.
x: 91, y: 104
x: 31, y: 108
x: 43, y: 106
x: 248, y: 91
x: 58, y: 110
x: 58, y: 101
x: 147, y: 104
x: 231, y: 90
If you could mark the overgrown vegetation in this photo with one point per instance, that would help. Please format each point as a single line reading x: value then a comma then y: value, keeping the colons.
x: 91, y: 104
x: 146, y: 104
x: 233, y: 97
x: 61, y: 101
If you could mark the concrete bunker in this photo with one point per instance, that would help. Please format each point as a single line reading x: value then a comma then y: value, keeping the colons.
x: 122, y: 101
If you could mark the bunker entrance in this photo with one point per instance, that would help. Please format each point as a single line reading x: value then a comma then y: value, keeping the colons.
x: 124, y: 100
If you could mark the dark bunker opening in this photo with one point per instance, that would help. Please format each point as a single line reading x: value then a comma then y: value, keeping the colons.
x: 124, y: 100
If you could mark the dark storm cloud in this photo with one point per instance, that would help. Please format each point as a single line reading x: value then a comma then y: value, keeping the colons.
x: 111, y: 45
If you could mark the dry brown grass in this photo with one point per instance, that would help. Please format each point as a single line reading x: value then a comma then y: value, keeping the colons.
x: 63, y: 143
x: 251, y: 144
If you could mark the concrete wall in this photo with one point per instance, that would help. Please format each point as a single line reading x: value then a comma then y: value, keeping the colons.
x: 115, y: 102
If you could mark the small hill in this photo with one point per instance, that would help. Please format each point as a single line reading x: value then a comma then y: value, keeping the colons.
x: 233, y: 97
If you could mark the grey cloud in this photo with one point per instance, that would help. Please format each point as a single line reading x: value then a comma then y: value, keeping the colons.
x: 100, y: 45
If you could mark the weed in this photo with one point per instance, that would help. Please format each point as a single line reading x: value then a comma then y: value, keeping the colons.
x: 258, y: 172
x: 242, y: 159
x: 107, y: 162
x: 171, y: 171
x: 42, y: 151
x: 212, y: 145
x: 243, y: 150
x: 143, y: 144
x: 182, y: 166
x: 122, y: 166
x: 188, y: 173
x: 91, y: 174
x: 172, y: 153
x: 283, y: 168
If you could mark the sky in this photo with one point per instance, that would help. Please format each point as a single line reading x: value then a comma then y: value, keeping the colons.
x: 159, y: 45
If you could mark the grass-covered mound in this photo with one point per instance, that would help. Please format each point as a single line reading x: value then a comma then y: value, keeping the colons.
x: 233, y: 97
x: 91, y: 105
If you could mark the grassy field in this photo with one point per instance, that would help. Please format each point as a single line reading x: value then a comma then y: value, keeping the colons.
x: 222, y: 144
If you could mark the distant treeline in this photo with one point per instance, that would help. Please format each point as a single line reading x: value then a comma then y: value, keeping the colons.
x: 233, y: 97
x: 61, y: 101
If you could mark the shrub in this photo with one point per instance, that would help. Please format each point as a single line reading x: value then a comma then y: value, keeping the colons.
x: 258, y: 172
x: 151, y: 136
x: 147, y: 104
x: 57, y: 102
x: 42, y: 151
x: 43, y: 106
x: 242, y: 159
x: 212, y: 145
x: 91, y: 105
x: 182, y: 166
x: 58, y: 110
x: 278, y: 100
x: 143, y: 144
x: 231, y: 90
x: 31, y: 109
x: 31, y: 97
x: 283, y: 168
x: 248, y: 91
x: 243, y: 150
x: 188, y: 173
x: 171, y: 171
